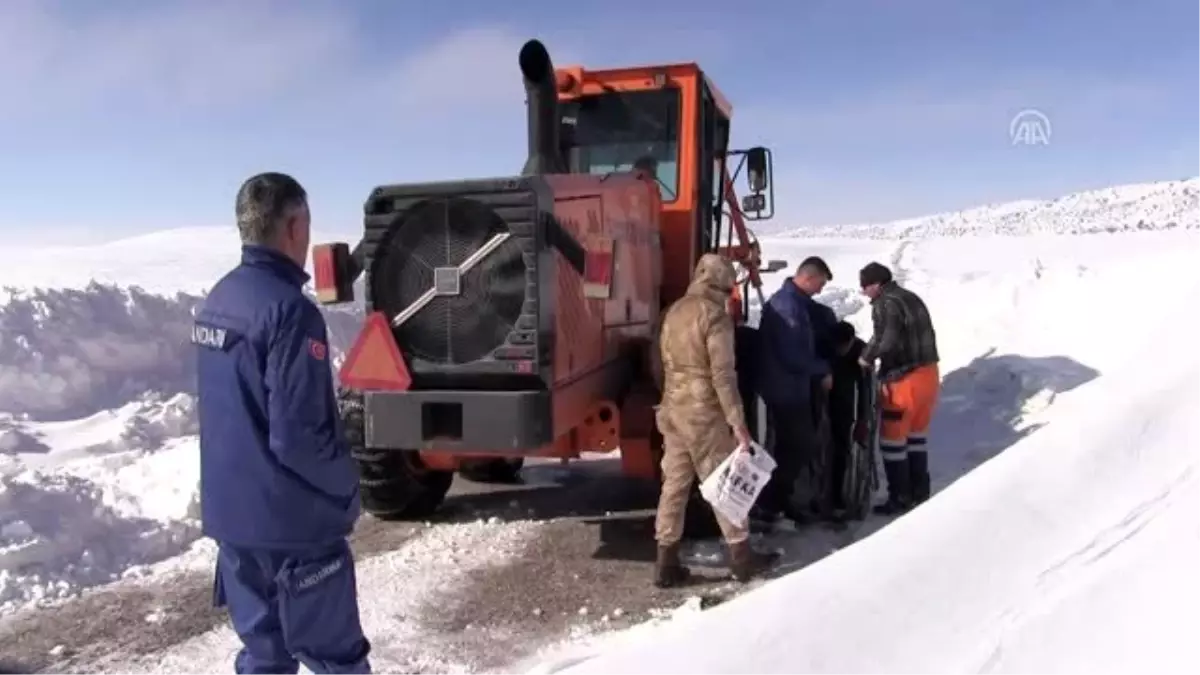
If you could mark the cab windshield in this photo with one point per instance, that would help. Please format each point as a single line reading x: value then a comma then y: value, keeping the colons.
x: 615, y: 131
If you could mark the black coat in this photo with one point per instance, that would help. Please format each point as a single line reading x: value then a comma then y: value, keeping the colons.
x: 847, y: 400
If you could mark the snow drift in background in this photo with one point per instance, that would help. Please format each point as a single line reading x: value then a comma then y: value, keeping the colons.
x: 1166, y: 205
x: 67, y: 353
x: 70, y: 352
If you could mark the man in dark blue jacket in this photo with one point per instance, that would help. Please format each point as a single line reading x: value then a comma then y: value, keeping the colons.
x: 815, y: 274
x: 279, y: 490
x: 787, y: 370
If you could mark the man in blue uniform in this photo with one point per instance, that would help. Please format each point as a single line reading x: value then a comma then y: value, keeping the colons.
x: 788, y: 368
x: 279, y: 490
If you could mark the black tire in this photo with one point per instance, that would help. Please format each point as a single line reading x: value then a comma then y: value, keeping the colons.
x: 394, y: 484
x: 497, y: 470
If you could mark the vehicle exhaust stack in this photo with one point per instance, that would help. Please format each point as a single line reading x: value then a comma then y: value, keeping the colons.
x: 542, y: 110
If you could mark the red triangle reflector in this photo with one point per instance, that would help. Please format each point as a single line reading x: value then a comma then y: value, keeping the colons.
x: 374, y: 362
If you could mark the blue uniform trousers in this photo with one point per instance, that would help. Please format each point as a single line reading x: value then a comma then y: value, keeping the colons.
x: 292, y: 606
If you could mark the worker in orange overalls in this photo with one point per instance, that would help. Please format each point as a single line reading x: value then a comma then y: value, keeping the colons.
x: 905, y: 344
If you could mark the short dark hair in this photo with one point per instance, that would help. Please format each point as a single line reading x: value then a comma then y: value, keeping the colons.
x: 843, y: 332
x: 814, y: 264
x: 874, y: 273
x: 262, y: 203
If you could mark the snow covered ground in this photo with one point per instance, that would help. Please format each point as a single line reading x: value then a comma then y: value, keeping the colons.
x: 1074, y: 548
x: 1065, y: 452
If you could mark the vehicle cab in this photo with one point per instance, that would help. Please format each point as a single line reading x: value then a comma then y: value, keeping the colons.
x: 673, y: 121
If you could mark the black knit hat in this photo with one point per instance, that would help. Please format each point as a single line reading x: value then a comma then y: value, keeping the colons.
x: 874, y: 273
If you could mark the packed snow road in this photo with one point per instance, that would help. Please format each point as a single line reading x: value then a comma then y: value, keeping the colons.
x: 501, y: 573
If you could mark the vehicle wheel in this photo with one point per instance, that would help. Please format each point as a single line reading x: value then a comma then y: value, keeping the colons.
x: 394, y: 484
x: 497, y: 470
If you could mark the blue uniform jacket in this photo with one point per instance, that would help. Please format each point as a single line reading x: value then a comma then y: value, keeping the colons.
x: 823, y: 320
x: 789, y: 361
x: 275, y: 470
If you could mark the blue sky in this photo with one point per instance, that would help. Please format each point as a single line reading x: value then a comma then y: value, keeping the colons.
x: 129, y: 116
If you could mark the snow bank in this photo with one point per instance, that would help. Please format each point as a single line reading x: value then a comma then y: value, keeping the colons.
x: 62, y: 533
x: 68, y: 353
x: 94, y: 519
x: 1073, y: 549
x: 100, y: 498
x: 1165, y: 205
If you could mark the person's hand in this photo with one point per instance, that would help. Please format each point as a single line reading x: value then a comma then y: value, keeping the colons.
x: 827, y: 382
x: 742, y: 434
x: 860, y: 432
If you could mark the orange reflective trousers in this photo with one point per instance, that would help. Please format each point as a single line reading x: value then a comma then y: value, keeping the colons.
x: 907, y: 406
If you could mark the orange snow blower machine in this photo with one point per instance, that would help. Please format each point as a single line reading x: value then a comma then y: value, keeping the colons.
x: 516, y: 317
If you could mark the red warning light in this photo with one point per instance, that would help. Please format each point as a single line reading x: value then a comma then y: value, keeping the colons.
x: 328, y: 262
x: 324, y: 273
x: 375, y: 361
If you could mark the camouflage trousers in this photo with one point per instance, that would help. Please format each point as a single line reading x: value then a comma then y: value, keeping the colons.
x: 686, y: 459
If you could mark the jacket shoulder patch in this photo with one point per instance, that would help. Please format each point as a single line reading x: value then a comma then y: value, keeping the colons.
x: 213, y: 337
x: 317, y: 349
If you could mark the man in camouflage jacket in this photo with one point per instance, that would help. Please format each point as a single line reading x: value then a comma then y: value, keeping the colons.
x: 905, y: 344
x: 700, y: 416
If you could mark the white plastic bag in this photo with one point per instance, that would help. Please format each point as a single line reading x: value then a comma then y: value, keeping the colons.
x: 735, y: 485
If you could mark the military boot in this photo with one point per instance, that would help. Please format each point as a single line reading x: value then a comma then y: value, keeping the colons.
x: 668, y: 570
x: 918, y: 475
x: 745, y: 563
x: 899, y: 486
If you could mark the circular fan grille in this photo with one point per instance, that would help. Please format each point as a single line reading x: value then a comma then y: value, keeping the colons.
x: 436, y: 235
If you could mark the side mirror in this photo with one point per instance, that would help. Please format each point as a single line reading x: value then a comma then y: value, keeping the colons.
x: 758, y: 169
x: 760, y: 203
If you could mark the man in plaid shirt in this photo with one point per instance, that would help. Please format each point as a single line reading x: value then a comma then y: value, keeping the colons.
x: 905, y: 344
